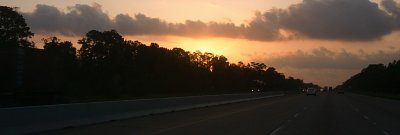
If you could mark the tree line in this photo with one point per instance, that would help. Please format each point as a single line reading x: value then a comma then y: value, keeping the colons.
x: 107, y: 66
x: 376, y: 78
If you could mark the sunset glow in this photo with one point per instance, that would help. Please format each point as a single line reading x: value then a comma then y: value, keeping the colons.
x: 276, y: 67
x: 256, y: 30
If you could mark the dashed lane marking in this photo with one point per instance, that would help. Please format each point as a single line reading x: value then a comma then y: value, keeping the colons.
x: 275, y: 132
x: 386, y: 133
x: 366, y: 117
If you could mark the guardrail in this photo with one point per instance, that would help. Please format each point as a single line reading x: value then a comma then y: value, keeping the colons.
x: 33, y: 119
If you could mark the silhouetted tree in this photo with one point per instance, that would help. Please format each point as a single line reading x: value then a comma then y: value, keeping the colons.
x: 63, y: 54
x: 105, y: 57
x: 63, y: 50
x: 13, y: 30
x: 376, y: 78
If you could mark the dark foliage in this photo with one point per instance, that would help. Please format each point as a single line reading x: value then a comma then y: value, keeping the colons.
x: 376, y: 78
x: 13, y: 30
x: 62, y: 54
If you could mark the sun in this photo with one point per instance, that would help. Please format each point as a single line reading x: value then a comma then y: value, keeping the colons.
x: 233, y: 49
x: 211, y: 45
x: 207, y: 46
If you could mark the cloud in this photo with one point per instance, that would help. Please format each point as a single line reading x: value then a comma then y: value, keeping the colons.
x: 78, y: 21
x: 82, y: 18
x: 351, y: 20
x: 323, y: 58
x: 337, y: 19
x: 140, y: 24
x: 392, y: 8
x: 264, y: 27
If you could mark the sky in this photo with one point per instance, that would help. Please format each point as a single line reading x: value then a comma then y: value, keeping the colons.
x: 319, y: 41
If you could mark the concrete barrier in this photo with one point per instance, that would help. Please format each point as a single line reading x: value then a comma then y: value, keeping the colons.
x: 33, y: 119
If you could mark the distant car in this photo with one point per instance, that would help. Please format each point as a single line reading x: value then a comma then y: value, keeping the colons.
x: 340, y: 91
x: 322, y: 90
x: 311, y: 91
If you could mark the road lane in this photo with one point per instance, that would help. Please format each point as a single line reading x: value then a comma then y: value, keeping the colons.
x: 253, y: 117
x: 383, y: 113
x: 327, y: 113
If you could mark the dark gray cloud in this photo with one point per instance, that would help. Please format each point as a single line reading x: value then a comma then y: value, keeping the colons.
x: 143, y: 25
x: 82, y: 18
x: 78, y: 21
x: 393, y: 9
x: 140, y: 25
x: 318, y: 19
x: 337, y: 19
x: 323, y: 58
x: 264, y: 27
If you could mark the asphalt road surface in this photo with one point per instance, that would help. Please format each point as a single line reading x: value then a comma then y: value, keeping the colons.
x: 324, y: 114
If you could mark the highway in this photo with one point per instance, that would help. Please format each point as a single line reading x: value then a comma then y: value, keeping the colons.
x: 326, y: 113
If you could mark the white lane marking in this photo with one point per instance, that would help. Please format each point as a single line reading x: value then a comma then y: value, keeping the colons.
x: 366, y: 117
x: 386, y: 133
x: 275, y: 132
x: 356, y: 109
